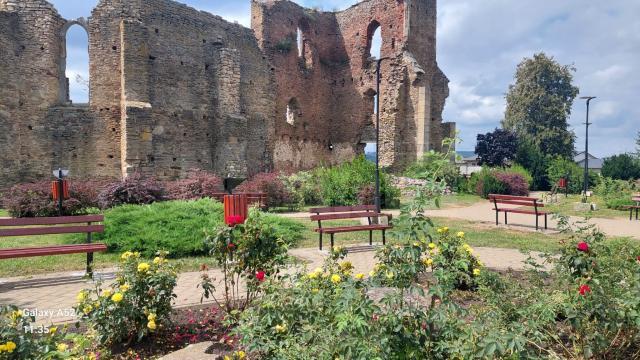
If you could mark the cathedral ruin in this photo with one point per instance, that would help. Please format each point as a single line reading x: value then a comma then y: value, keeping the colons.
x: 172, y: 88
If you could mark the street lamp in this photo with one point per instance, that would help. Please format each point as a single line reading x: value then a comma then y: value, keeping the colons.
x: 378, y: 134
x: 586, y: 149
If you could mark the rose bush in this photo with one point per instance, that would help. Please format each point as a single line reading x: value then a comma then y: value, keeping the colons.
x: 136, y: 305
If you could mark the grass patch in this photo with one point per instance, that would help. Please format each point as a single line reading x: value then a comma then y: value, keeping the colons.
x: 565, y: 206
x: 4, y: 213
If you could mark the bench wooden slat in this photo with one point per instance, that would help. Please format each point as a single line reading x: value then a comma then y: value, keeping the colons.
x: 51, y: 250
x: 334, y: 209
x: 511, y: 197
x: 51, y: 220
x: 52, y: 230
x: 352, y: 228
x: 519, y: 211
x: 351, y: 215
x: 522, y: 203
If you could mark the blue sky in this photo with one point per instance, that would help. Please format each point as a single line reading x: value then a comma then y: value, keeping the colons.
x: 479, y: 45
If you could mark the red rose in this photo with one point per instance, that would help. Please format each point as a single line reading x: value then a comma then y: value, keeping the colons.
x: 638, y: 258
x: 231, y: 246
x: 260, y: 276
x: 584, y: 289
x: 233, y: 220
x: 583, y: 246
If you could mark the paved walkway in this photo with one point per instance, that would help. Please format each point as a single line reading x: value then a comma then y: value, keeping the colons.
x: 54, y: 295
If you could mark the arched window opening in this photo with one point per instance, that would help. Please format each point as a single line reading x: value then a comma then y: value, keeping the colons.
x: 76, y: 64
x: 374, y: 40
x: 293, y: 111
x: 300, y: 42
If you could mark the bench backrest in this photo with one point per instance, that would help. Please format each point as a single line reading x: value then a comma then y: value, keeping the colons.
x: 342, y: 209
x: 515, y: 200
x: 343, y: 212
x: 49, y: 225
x: 635, y: 198
x: 258, y: 198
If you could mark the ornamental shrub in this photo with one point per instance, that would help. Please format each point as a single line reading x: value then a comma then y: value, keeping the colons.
x: 432, y: 163
x: 250, y: 252
x: 135, y: 306
x: 616, y: 193
x: 304, y: 188
x: 342, y: 183
x: 134, y: 189
x: 21, y: 338
x: 34, y: 199
x: 621, y: 167
x: 174, y: 226
x: 198, y: 184
x: 269, y: 183
x: 497, y: 181
x: 514, y: 183
x: 560, y: 167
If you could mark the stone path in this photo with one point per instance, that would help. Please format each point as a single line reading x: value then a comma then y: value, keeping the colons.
x: 54, y: 295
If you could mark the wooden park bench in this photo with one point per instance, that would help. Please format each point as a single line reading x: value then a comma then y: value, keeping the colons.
x: 50, y: 226
x: 349, y: 212
x: 635, y: 207
x: 498, y: 200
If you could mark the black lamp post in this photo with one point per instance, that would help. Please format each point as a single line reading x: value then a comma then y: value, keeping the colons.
x: 586, y: 149
x: 378, y: 134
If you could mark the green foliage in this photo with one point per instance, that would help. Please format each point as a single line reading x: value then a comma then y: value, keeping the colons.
x: 496, y: 148
x: 285, y: 45
x: 21, y: 338
x: 174, y: 226
x: 559, y: 167
x: 539, y: 104
x: 434, y: 163
x: 304, y: 188
x: 136, y: 305
x: 534, y: 161
x: 616, y: 193
x: 519, y: 169
x: 621, y: 167
x: 248, y: 252
x: 341, y: 184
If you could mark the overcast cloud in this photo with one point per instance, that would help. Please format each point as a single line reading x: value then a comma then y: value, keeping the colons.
x: 479, y: 45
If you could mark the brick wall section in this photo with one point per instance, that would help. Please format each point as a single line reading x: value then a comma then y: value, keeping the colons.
x: 173, y: 88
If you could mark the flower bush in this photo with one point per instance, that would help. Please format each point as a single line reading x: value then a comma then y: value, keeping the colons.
x: 20, y: 338
x: 249, y: 253
x: 135, y: 306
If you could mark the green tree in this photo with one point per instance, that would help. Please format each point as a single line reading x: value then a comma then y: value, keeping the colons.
x: 621, y: 167
x: 530, y: 158
x: 638, y: 145
x: 539, y: 104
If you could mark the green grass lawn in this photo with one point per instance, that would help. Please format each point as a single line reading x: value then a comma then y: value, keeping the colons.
x: 3, y: 213
x: 565, y: 206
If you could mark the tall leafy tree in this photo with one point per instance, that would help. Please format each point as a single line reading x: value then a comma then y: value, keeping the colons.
x: 539, y: 105
x: 623, y: 167
x: 496, y: 148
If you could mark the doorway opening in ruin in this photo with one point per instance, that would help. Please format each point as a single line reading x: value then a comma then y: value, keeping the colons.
x: 293, y: 111
x: 305, y: 51
x: 374, y: 40
x: 75, y: 64
x: 299, y: 42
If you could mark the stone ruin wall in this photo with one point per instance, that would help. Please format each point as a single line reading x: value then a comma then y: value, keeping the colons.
x: 173, y: 88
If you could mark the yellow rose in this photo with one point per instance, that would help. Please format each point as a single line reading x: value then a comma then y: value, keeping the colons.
x: 432, y: 246
x: 460, y: 234
x: 117, y: 297
x: 143, y: 267
x: 151, y: 325
x: 227, y: 357
x: 476, y: 272
x: 313, y: 275
x: 359, y: 276
x: 416, y: 244
x: 240, y: 354
x: 281, y: 328
x: 82, y: 296
x: 125, y: 287
x: 390, y: 275
x: 10, y: 345
x: 335, y: 278
x: 87, y: 309
x: 151, y: 317
x: 53, y: 330
x: 440, y: 230
x: 106, y: 293
x: 3, y: 347
x: 157, y: 260
x: 427, y: 261
x: 372, y: 273
x: 346, y: 266
x: 315, y: 291
x: 62, y: 347
x: 445, y: 229
x: 480, y: 263
x: 467, y: 248
x: 125, y: 255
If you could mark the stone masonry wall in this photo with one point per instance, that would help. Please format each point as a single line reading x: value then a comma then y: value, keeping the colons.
x: 173, y: 88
